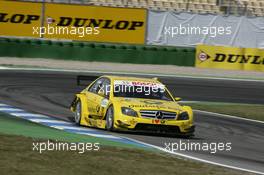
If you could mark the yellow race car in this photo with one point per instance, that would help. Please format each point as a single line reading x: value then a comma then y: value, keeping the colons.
x: 131, y: 103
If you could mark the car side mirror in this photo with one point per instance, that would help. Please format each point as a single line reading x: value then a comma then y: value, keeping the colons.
x: 177, y: 99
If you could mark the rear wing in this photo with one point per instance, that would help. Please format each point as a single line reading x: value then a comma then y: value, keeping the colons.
x: 84, y: 78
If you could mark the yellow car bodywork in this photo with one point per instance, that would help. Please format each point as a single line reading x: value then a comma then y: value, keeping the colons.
x: 94, y: 107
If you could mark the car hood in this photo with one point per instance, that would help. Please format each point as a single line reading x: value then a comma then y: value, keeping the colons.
x: 149, y: 104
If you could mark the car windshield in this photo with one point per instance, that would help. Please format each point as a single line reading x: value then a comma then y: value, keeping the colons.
x: 147, y: 91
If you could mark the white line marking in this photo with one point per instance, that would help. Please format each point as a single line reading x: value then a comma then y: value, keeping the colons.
x: 72, y: 127
x: 229, y: 116
x: 29, y: 115
x: 194, y: 158
x: 9, y: 109
x: 1, y: 105
x: 99, y: 135
x: 48, y: 121
x: 3, y: 68
x: 144, y: 74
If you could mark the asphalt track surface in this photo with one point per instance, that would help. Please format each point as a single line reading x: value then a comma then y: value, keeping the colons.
x: 51, y: 93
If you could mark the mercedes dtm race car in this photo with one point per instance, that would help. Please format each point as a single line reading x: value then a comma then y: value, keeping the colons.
x: 127, y: 103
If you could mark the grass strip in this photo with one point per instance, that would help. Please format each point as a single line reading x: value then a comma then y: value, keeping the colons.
x: 250, y: 111
x: 17, y: 157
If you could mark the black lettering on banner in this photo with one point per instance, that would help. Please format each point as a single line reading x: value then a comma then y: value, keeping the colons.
x: 232, y: 58
x: 121, y: 25
x: 65, y: 21
x: 79, y: 22
x: 245, y: 58
x: 3, y: 17
x: 95, y: 23
x: 136, y: 24
x: 108, y: 24
x: 31, y: 18
x: 105, y: 24
x: 76, y: 22
x: 220, y: 57
x: 256, y: 60
x: 17, y: 18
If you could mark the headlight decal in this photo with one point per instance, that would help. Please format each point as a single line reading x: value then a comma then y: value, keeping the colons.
x: 129, y: 111
x: 183, y: 116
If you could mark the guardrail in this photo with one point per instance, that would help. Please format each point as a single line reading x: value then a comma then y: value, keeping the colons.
x: 87, y: 51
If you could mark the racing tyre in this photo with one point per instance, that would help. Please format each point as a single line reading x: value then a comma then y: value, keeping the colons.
x: 110, y: 119
x: 78, y: 112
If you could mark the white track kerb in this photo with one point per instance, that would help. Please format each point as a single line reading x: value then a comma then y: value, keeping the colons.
x: 63, y: 125
x: 71, y: 127
x: 228, y: 116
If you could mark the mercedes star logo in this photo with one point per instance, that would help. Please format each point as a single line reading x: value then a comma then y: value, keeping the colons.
x: 159, y: 115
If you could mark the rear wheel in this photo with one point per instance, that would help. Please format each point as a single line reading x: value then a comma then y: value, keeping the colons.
x: 78, y: 112
x: 110, y: 119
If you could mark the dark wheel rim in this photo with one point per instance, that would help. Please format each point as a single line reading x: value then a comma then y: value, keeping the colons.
x: 109, y: 118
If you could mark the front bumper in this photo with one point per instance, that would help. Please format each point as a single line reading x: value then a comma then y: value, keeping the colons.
x: 164, y: 129
x: 138, y: 124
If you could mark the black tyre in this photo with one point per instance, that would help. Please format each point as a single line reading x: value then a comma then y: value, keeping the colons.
x: 78, y: 112
x: 110, y: 119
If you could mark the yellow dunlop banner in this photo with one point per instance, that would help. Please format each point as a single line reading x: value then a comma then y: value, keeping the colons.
x: 229, y: 58
x: 91, y: 23
x: 19, y: 18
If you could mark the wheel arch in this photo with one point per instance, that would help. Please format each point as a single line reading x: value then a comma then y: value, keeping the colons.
x: 84, y: 105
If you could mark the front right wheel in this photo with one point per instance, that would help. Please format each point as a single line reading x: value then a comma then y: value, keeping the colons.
x: 110, y: 119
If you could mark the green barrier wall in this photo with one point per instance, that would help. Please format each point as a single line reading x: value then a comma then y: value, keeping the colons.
x: 85, y: 51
